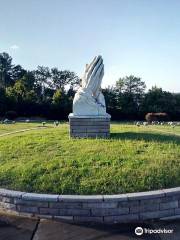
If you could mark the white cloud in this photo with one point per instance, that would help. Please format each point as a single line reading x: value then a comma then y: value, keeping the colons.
x: 14, y: 47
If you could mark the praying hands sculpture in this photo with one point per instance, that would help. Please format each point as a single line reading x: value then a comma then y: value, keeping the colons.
x: 89, y: 100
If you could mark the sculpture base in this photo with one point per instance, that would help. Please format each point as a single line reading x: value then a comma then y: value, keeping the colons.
x: 89, y: 126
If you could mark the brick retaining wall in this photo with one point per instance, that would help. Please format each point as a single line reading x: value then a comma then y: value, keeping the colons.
x: 130, y: 207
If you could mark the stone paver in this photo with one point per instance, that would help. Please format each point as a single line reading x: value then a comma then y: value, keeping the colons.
x: 49, y: 230
x: 16, y: 228
x: 22, y: 228
x: 169, y: 224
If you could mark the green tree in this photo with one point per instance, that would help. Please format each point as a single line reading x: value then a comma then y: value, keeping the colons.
x: 17, y: 72
x: 131, y: 84
x: 5, y: 70
x: 57, y: 97
x: 157, y: 100
x: 60, y: 79
x: 3, y: 101
x: 130, y: 92
x: 20, y: 97
x: 60, y: 104
x: 43, y: 78
x: 176, y: 113
x: 28, y: 79
x: 111, y: 99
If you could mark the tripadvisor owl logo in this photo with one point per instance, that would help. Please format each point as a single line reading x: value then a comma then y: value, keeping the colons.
x: 138, y: 231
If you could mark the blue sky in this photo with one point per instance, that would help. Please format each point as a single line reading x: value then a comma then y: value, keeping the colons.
x: 139, y: 37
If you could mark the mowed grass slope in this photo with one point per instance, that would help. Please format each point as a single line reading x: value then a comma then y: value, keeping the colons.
x: 133, y: 159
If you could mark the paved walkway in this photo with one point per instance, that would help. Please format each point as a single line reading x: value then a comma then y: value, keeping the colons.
x: 21, y: 228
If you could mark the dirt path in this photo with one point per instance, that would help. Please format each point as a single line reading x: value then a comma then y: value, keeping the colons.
x: 22, y: 130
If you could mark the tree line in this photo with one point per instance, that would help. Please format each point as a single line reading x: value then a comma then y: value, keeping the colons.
x: 49, y: 93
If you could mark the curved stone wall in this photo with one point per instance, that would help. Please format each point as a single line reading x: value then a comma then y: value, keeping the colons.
x: 130, y: 207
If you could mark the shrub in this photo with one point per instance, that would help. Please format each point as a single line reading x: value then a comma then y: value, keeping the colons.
x: 11, y: 115
x: 160, y: 117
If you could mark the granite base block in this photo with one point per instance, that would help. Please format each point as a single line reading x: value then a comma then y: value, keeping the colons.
x: 89, y: 127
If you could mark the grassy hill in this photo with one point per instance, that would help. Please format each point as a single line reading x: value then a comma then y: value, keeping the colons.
x: 46, y: 160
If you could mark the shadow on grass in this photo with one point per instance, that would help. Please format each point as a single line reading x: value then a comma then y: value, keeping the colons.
x: 149, y: 137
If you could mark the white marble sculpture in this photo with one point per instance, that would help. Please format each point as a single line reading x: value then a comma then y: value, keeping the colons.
x: 89, y: 100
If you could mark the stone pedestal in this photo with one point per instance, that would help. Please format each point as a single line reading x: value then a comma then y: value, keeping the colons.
x: 89, y: 126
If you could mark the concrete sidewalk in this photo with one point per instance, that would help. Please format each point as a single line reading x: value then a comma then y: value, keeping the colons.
x: 21, y: 228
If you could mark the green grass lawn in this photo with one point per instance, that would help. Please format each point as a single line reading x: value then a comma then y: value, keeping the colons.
x: 46, y: 160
